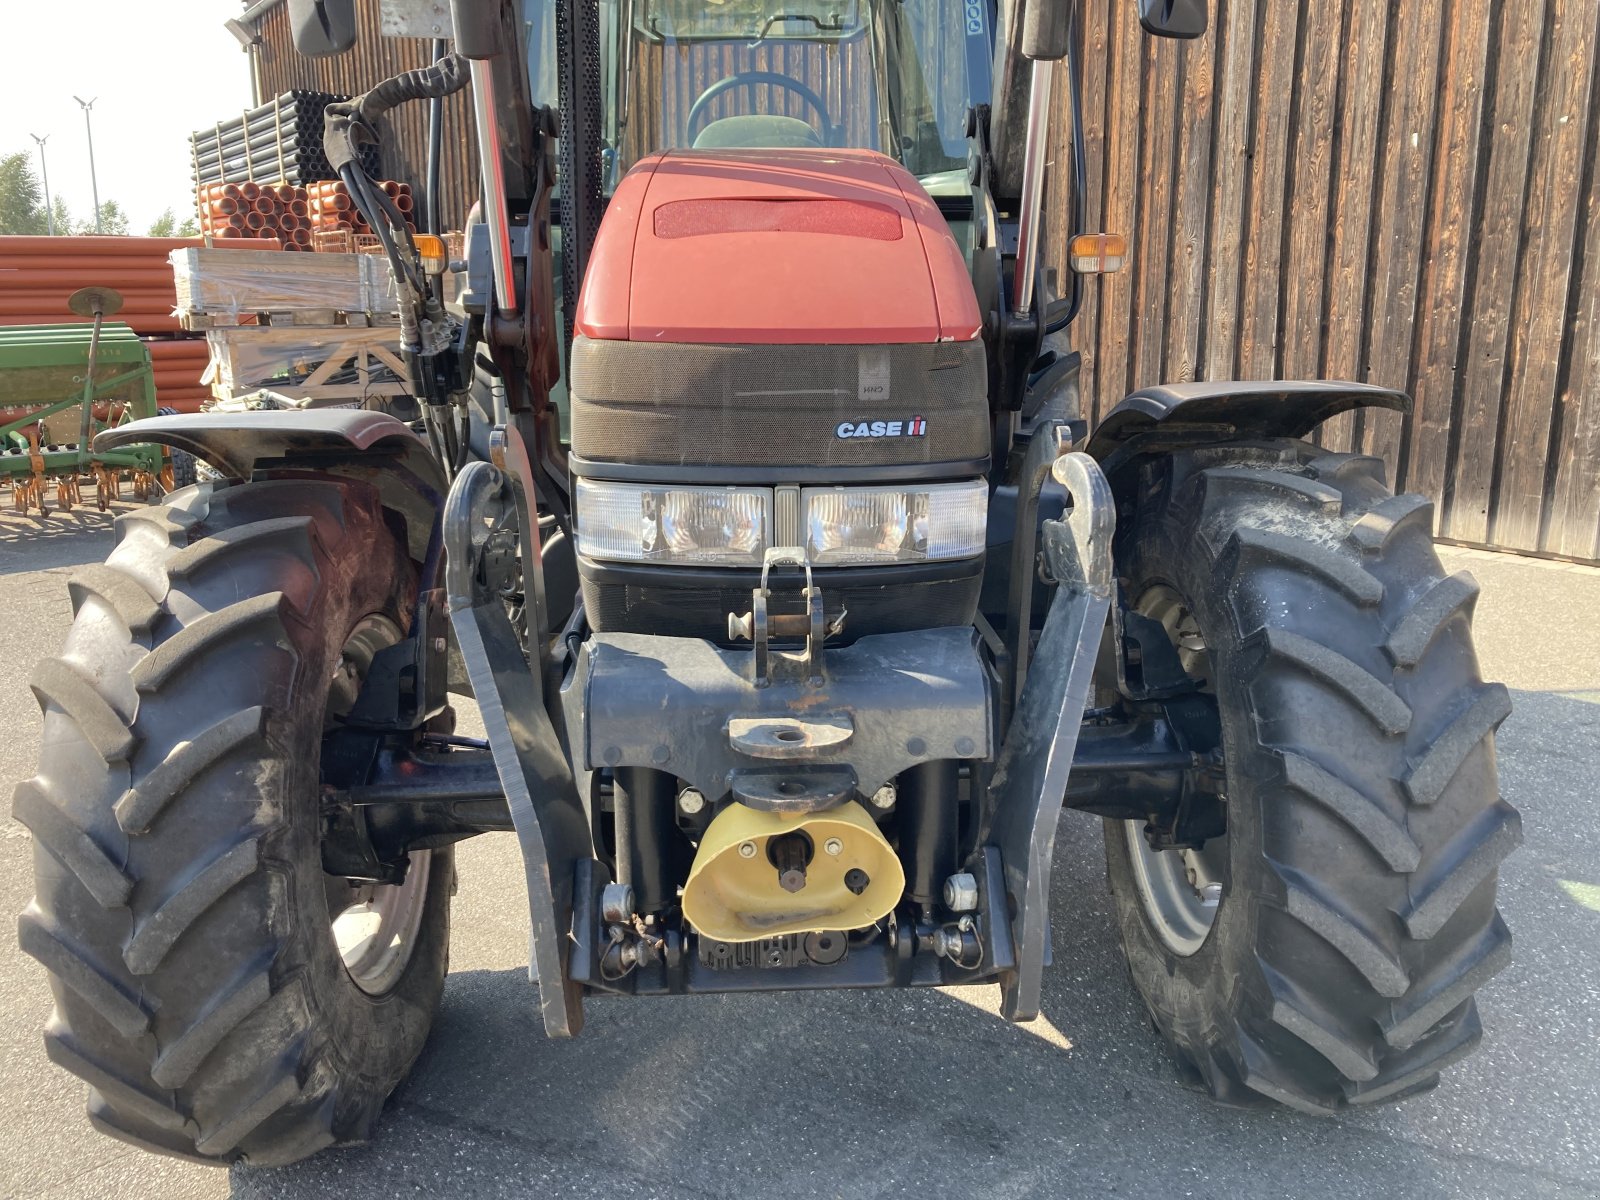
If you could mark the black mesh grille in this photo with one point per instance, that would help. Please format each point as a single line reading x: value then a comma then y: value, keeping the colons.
x: 667, y: 403
x: 703, y: 611
x: 580, y: 90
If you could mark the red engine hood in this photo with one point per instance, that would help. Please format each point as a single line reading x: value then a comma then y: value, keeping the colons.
x: 775, y: 246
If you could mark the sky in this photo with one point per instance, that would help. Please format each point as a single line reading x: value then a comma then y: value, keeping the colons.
x: 156, y: 72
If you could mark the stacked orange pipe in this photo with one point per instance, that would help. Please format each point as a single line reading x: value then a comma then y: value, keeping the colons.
x: 335, y: 219
x: 179, y: 363
x: 245, y: 210
x: 37, y: 274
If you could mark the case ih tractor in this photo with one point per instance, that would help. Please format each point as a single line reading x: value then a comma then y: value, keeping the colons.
x: 745, y: 491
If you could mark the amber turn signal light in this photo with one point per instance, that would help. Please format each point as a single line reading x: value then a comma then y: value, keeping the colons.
x: 1097, y: 253
x: 432, y: 251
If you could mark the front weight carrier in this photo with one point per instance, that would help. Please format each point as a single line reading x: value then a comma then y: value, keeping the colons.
x: 1023, y: 801
x: 839, y: 721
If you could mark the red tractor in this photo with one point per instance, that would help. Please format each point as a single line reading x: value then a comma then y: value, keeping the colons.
x: 743, y: 486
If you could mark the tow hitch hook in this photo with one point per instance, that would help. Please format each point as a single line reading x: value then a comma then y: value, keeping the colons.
x: 760, y: 626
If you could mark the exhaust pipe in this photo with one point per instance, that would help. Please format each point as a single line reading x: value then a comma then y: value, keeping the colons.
x: 1029, y: 215
x: 476, y: 27
x: 1045, y: 31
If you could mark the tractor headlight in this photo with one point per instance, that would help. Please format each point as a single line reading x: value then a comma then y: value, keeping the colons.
x: 693, y: 525
x: 862, y: 526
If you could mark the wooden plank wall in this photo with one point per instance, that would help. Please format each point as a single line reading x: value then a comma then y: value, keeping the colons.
x: 374, y: 59
x: 1404, y: 194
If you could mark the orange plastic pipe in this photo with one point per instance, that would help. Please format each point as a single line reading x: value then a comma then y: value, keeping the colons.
x: 139, y: 324
x: 134, y: 300
x: 68, y: 274
x: 95, y: 247
x: 63, y: 262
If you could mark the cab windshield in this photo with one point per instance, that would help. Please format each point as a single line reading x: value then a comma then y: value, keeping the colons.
x: 896, y: 76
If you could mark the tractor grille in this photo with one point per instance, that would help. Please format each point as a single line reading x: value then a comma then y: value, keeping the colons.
x: 896, y: 599
x: 677, y: 404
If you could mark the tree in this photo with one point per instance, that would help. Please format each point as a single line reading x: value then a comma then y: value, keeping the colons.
x: 113, y: 221
x: 21, y: 197
x: 166, y: 226
x: 63, y: 216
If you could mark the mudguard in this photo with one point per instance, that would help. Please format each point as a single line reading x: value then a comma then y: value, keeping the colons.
x: 370, y: 446
x: 1177, y: 416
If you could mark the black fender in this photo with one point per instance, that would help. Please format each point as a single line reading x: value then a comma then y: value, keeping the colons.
x: 370, y: 446
x: 1180, y: 416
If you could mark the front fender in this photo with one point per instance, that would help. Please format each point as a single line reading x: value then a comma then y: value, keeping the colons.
x: 370, y: 446
x: 1178, y: 416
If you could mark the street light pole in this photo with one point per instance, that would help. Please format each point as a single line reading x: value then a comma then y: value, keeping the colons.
x: 94, y: 184
x: 49, y: 205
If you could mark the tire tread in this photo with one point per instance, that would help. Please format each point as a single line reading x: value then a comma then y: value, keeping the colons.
x: 1359, y: 708
x: 77, y: 851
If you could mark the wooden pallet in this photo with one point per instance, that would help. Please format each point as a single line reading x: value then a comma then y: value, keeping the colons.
x: 332, y: 318
x: 240, y: 357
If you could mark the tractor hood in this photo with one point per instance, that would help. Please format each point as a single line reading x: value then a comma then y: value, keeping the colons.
x: 755, y: 247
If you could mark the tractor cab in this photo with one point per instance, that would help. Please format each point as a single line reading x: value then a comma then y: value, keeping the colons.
x: 898, y: 78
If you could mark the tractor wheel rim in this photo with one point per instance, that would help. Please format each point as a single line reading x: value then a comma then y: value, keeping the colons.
x: 377, y: 932
x: 1180, y: 891
x: 374, y: 925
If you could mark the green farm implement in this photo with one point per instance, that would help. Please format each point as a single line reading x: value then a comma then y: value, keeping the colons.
x: 59, y: 386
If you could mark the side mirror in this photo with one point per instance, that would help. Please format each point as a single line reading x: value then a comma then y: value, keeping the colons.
x: 1044, y: 30
x: 1173, y: 18
x: 477, y: 28
x: 323, y: 28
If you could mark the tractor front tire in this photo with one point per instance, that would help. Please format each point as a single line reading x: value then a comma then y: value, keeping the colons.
x: 181, y: 908
x: 184, y: 466
x: 1357, y: 880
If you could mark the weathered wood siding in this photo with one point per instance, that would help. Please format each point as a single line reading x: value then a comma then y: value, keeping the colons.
x: 374, y: 59
x: 1401, y: 193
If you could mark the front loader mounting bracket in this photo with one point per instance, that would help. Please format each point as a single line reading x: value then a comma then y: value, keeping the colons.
x: 1024, y: 797
x: 552, y: 831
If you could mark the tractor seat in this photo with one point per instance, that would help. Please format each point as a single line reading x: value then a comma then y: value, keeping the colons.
x: 758, y: 132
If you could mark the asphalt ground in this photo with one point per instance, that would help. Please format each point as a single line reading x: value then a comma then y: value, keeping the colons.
x: 876, y: 1094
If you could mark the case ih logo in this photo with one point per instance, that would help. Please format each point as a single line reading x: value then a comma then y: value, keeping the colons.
x: 914, y: 427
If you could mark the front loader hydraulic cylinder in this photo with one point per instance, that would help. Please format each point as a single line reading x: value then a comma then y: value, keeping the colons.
x: 649, y: 846
x: 929, y: 814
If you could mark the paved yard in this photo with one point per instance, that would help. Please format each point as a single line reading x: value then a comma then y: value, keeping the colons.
x: 887, y: 1094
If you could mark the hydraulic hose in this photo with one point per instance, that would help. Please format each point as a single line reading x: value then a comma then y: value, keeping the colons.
x: 350, y: 121
x: 1080, y: 176
x: 344, y: 126
x: 443, y: 78
x: 434, y: 223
